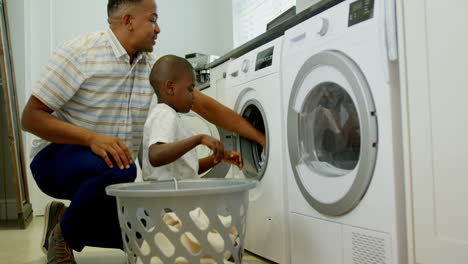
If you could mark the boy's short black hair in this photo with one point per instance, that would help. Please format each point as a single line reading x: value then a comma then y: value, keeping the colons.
x: 114, y: 5
x: 168, y: 67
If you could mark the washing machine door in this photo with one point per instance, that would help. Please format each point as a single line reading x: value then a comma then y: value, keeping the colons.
x: 332, y: 133
x: 198, y: 125
x: 254, y: 157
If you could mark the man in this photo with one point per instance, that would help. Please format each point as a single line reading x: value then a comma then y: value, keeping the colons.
x: 88, y: 110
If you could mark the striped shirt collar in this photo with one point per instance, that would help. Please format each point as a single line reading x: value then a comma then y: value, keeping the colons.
x: 119, y: 50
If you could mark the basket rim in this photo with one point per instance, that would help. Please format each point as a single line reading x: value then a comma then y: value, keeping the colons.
x: 123, y: 190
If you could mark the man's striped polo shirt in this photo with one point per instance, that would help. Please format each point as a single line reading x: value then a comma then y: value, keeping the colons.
x: 89, y: 82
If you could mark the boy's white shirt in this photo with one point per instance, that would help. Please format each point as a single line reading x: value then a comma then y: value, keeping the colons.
x: 165, y: 125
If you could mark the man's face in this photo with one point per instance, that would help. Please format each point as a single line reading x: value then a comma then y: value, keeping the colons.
x: 145, y: 25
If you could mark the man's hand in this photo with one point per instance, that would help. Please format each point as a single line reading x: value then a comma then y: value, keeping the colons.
x: 215, y: 145
x: 233, y: 158
x: 104, y: 145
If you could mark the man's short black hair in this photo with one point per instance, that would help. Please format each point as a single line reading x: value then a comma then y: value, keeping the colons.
x: 114, y: 5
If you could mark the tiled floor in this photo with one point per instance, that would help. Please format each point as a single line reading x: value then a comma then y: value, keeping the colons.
x: 22, y: 247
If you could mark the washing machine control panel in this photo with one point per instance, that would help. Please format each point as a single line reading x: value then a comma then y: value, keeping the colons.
x: 264, y: 58
x: 259, y: 62
x: 359, y: 11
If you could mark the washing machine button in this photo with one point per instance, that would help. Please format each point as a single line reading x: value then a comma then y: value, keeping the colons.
x: 322, y: 26
x: 245, y: 66
x: 235, y: 73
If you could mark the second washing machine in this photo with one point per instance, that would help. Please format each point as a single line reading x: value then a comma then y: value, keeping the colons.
x: 253, y: 91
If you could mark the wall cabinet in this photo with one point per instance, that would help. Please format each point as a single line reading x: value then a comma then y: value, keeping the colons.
x: 434, y: 39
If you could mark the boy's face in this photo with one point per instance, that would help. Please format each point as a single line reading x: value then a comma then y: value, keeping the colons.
x: 183, y: 91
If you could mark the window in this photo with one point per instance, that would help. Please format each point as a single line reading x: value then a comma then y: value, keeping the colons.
x: 250, y: 17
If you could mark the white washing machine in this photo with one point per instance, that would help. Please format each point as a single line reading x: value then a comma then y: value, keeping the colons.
x: 341, y: 110
x: 253, y: 87
x: 218, y: 77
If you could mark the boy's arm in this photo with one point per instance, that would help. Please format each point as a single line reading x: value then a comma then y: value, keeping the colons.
x: 220, y: 115
x: 229, y: 156
x: 206, y: 164
x: 163, y: 153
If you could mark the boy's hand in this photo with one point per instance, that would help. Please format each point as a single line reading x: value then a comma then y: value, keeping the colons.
x: 215, y: 145
x: 233, y: 158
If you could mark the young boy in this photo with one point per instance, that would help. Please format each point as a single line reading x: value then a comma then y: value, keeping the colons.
x: 168, y: 146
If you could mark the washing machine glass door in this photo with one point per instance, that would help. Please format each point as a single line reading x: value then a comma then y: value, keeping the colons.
x: 198, y: 125
x: 332, y: 133
x: 254, y: 158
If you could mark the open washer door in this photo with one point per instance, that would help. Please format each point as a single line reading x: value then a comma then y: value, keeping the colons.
x: 255, y: 158
x: 332, y: 133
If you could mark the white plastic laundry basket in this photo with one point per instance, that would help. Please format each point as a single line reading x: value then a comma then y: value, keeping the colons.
x: 188, y: 221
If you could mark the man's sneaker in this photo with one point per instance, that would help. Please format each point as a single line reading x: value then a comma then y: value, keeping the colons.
x: 53, y: 213
x: 59, y: 251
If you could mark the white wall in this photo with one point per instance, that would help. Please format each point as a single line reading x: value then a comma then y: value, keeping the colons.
x: 250, y: 17
x: 186, y: 26
x: 194, y: 26
x: 70, y: 18
x: 16, y: 16
x: 37, y: 26
x: 37, y: 50
x: 16, y: 19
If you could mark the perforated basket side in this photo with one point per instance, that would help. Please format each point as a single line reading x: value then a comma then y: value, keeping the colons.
x: 148, y: 236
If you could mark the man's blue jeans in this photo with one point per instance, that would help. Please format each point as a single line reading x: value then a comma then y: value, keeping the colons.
x: 75, y: 173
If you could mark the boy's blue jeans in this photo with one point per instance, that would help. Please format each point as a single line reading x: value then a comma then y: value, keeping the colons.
x: 75, y: 173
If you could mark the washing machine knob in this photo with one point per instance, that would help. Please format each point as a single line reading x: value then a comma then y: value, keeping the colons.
x: 323, y: 26
x: 245, y: 66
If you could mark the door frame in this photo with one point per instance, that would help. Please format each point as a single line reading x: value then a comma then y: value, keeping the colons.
x: 24, y: 208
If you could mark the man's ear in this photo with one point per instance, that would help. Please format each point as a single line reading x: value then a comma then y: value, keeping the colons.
x: 127, y: 21
x: 169, y: 85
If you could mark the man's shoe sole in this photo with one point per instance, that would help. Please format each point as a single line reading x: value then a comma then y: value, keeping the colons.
x: 49, y: 223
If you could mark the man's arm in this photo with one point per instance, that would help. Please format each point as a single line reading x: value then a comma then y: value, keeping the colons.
x: 37, y: 119
x: 224, y: 117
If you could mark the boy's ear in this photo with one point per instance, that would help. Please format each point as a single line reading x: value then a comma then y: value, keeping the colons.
x: 169, y: 85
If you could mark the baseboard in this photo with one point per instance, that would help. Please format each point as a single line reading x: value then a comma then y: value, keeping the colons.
x: 8, y: 210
